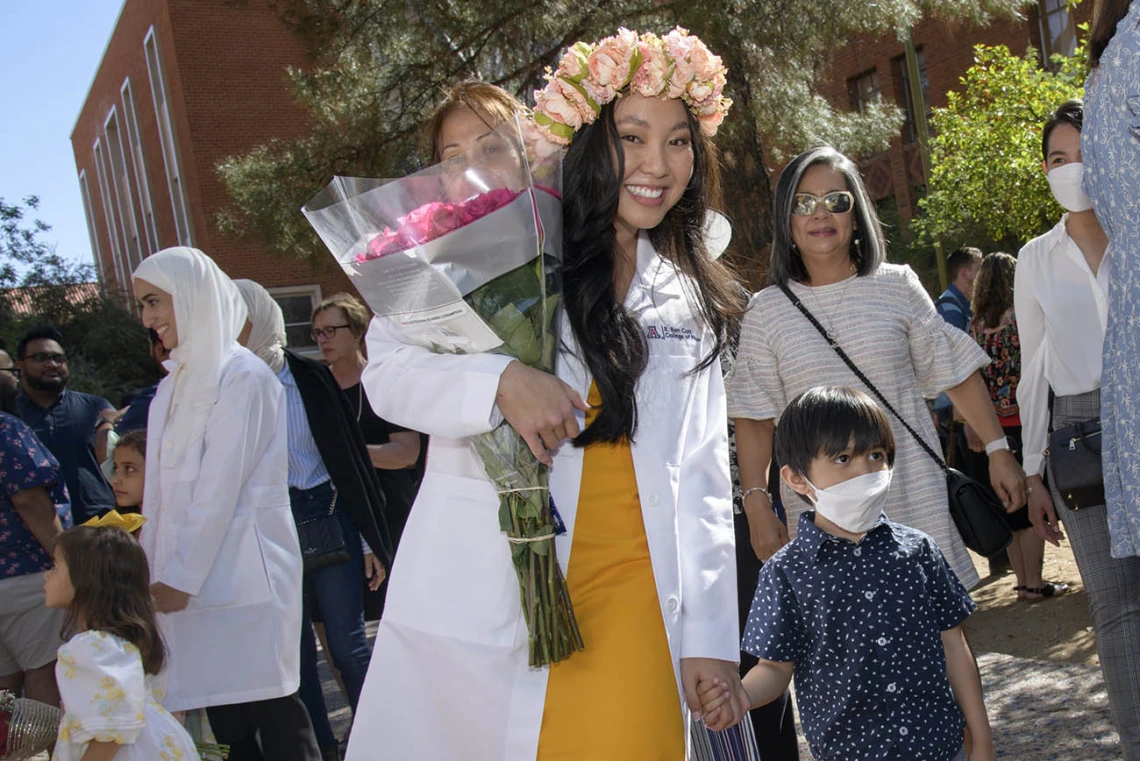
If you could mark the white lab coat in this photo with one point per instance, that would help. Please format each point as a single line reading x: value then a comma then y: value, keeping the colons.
x: 449, y: 677
x: 219, y: 526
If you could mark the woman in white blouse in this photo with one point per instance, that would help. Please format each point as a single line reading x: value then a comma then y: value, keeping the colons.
x: 1061, y: 300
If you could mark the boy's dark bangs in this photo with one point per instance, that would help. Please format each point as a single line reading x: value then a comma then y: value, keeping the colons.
x: 863, y: 422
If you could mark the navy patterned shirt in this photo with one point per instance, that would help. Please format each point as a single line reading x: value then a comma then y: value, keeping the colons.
x: 863, y: 624
x: 24, y: 463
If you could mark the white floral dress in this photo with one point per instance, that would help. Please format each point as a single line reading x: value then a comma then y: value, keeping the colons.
x: 108, y: 697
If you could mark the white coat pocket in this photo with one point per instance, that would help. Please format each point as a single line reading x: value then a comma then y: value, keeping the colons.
x: 453, y: 574
x: 238, y: 576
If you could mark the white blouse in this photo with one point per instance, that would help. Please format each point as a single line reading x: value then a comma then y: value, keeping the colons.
x: 1062, y: 311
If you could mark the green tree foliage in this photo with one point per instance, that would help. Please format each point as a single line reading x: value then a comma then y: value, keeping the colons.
x: 106, y: 345
x: 987, y: 183
x: 380, y: 66
x: 25, y: 258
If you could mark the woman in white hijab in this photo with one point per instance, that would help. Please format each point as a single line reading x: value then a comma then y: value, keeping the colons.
x: 223, y: 552
x: 337, y: 502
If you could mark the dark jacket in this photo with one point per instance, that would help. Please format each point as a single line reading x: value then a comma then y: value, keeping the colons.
x: 344, y: 452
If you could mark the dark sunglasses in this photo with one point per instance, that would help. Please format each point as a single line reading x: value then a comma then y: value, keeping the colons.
x: 839, y: 202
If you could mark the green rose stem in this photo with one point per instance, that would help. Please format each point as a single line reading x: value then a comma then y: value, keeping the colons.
x: 521, y: 313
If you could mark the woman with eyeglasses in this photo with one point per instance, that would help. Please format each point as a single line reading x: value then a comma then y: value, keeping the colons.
x: 829, y: 251
x: 398, y: 454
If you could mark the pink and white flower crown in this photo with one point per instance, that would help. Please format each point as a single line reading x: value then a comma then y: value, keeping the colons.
x: 677, y: 65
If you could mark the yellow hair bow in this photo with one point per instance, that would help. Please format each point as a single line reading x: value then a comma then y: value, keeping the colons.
x: 129, y: 522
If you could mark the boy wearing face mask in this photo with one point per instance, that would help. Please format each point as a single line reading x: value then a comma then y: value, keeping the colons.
x: 865, y: 612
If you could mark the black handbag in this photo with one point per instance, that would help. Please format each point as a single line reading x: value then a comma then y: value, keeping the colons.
x: 1074, y: 462
x: 322, y: 540
x: 977, y: 512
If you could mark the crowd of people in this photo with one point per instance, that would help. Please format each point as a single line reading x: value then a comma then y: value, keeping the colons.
x: 167, y: 568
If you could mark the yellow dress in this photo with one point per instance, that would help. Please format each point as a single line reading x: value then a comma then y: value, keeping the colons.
x: 617, y: 699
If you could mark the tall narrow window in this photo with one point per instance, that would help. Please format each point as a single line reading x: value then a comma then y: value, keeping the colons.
x: 123, y: 197
x: 297, y: 304
x: 92, y: 230
x: 903, y: 95
x: 1058, y: 34
x: 864, y: 90
x: 134, y: 150
x: 166, y: 136
x: 106, y: 194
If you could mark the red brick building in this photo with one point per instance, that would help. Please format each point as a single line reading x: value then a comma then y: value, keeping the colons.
x: 872, y: 68
x: 186, y: 83
x: 182, y: 85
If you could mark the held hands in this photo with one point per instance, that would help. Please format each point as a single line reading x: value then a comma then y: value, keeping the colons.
x: 374, y: 571
x: 168, y: 599
x: 1007, y: 479
x: 720, y: 680
x: 1042, y: 513
x: 716, y: 698
x: 540, y: 407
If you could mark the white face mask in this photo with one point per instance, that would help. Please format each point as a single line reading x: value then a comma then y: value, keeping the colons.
x: 1065, y: 182
x: 854, y: 505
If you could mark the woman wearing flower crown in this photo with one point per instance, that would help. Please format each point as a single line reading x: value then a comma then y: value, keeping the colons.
x: 640, y: 479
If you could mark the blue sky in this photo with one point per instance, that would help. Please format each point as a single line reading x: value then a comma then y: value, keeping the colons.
x: 49, y: 52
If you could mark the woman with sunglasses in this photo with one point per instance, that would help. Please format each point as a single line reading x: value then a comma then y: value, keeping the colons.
x: 828, y: 250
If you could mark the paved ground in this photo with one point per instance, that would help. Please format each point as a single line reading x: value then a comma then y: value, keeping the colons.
x: 1043, y: 686
x: 1040, y: 673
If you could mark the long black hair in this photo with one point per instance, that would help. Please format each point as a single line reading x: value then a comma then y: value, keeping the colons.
x: 612, y: 343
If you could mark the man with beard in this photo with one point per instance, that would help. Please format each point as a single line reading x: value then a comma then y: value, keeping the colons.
x: 71, y: 424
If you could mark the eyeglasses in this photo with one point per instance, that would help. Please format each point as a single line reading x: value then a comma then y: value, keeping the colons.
x: 43, y: 357
x: 839, y: 202
x: 328, y: 332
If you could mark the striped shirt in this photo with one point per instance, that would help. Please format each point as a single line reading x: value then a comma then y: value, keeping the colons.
x: 306, y: 468
x: 887, y: 325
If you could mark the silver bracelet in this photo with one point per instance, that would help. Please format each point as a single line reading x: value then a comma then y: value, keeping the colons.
x: 746, y: 492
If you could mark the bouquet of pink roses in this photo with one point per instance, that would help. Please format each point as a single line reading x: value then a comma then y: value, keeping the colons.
x: 464, y: 257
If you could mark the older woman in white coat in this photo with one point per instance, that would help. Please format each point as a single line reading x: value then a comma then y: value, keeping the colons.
x: 220, y: 538
x: 639, y: 476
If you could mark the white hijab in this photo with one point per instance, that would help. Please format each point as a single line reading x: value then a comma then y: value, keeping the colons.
x: 267, y: 337
x: 209, y: 314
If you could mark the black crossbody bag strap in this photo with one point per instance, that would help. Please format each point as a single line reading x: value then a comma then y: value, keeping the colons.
x: 859, y: 373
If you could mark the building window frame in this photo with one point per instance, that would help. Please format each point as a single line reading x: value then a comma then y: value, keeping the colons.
x: 864, y: 89
x: 909, y: 129
x: 174, y: 178
x: 1054, y: 15
x: 101, y: 177
x: 142, y: 185
x: 132, y: 243
x: 92, y: 230
x: 313, y: 291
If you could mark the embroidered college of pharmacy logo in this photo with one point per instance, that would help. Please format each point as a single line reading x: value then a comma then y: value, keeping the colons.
x: 670, y: 333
